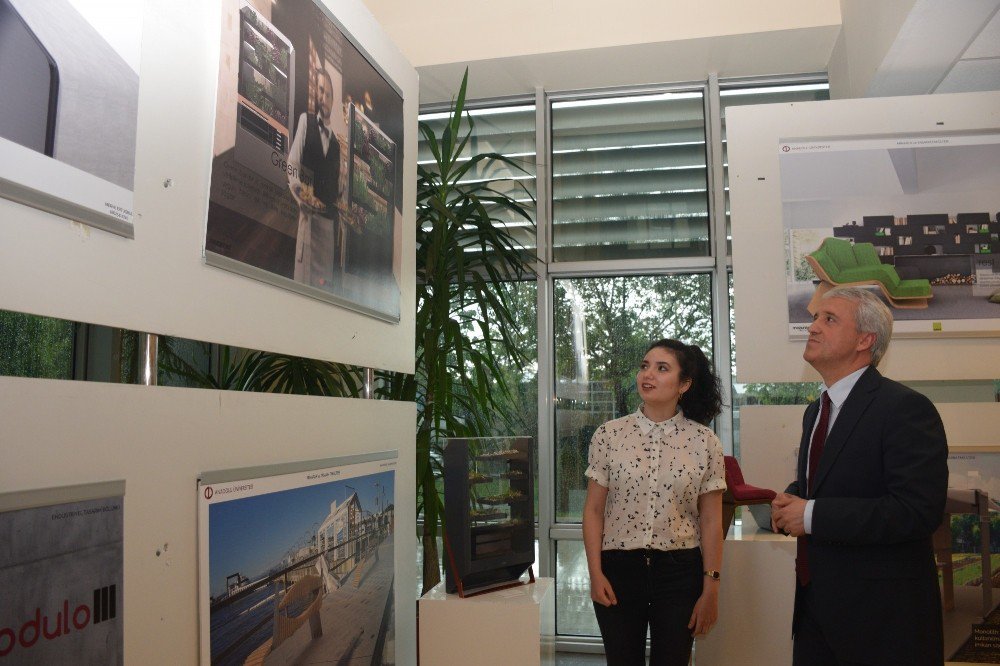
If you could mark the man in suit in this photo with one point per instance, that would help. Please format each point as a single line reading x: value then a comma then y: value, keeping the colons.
x: 869, y: 493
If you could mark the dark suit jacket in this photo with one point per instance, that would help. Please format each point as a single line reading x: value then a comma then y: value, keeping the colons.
x: 880, y: 490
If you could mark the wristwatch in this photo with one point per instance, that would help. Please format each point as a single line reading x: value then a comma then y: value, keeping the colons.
x: 714, y: 575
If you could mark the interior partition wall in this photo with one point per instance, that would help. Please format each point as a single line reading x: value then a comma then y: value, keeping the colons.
x: 631, y: 242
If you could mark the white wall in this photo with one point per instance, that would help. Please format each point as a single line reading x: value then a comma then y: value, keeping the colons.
x: 461, y: 31
x: 159, y: 440
x: 770, y: 434
x: 574, y: 44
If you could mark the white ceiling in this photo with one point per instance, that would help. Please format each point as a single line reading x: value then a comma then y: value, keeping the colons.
x: 804, y: 50
x: 979, y: 66
x: 943, y: 47
x: 520, y: 45
x: 940, y: 45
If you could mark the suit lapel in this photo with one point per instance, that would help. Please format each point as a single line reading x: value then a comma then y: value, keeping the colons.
x: 850, y: 413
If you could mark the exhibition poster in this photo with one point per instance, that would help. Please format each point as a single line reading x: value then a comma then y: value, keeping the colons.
x: 61, y: 569
x: 69, y: 72
x: 307, y: 163
x: 914, y: 218
x: 299, y: 567
x: 974, y: 471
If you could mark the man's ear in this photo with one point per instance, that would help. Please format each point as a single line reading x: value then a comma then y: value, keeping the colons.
x: 866, y: 342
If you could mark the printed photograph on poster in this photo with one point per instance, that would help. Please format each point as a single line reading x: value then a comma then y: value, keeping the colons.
x: 61, y: 572
x: 298, y: 568
x: 307, y: 163
x: 69, y: 72
x: 974, y: 471
x: 913, y: 218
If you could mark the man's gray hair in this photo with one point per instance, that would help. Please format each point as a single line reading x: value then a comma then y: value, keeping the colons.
x: 873, y: 316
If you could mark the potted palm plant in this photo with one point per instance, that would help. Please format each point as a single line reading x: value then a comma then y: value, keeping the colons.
x: 464, y: 257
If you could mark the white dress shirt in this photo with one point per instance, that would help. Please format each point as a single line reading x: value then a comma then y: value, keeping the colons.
x: 838, y: 395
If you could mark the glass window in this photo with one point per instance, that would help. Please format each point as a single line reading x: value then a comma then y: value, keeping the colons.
x: 603, y: 327
x: 111, y: 355
x: 184, y: 363
x: 32, y: 346
x: 629, y: 177
x: 508, y: 131
x: 574, y: 609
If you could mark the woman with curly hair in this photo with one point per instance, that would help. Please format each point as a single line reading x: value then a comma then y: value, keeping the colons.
x: 652, y: 521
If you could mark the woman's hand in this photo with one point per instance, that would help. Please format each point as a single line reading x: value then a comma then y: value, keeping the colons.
x: 600, y: 590
x: 706, y: 611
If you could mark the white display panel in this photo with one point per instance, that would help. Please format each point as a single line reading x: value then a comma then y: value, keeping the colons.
x: 70, y: 78
x: 770, y: 435
x: 755, y: 135
x: 159, y: 282
x: 160, y: 440
x: 282, y: 548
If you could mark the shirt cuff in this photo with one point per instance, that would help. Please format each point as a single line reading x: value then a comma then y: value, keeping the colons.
x: 712, y: 485
x: 807, y: 517
x: 601, y: 479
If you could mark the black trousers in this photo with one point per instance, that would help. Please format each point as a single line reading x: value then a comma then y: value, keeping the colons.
x: 656, y: 590
x: 811, y: 647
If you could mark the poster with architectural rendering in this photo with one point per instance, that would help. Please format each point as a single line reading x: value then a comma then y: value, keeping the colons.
x: 61, y: 571
x: 916, y: 219
x: 69, y: 72
x: 299, y: 567
x: 307, y: 163
x: 974, y: 471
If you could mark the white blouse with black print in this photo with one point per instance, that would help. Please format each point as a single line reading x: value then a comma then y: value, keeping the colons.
x: 654, y: 473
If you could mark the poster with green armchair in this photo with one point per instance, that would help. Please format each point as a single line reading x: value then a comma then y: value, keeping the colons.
x: 913, y: 219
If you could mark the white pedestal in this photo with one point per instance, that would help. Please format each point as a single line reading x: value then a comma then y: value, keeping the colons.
x: 512, y: 626
x: 755, y: 601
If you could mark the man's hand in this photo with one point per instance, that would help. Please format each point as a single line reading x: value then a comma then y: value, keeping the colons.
x: 787, y: 512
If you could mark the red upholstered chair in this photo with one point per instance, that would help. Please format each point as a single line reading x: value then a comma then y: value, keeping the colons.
x: 739, y: 493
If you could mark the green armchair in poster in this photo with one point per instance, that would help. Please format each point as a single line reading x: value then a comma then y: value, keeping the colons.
x: 836, y: 262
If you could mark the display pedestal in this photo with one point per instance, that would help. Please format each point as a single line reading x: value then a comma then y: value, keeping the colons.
x: 755, y: 601
x: 510, y: 626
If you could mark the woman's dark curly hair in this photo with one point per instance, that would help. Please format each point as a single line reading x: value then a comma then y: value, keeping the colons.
x: 702, y: 402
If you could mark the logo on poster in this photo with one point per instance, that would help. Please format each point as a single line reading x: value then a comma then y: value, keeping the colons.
x: 45, y: 627
x: 209, y: 492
